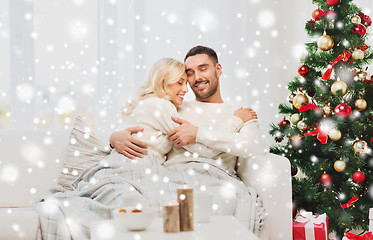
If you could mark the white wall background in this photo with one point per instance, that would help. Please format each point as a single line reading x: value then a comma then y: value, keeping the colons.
x: 60, y: 58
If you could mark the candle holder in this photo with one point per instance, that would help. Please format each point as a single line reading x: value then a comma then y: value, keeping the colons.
x: 185, y: 200
x: 171, y: 218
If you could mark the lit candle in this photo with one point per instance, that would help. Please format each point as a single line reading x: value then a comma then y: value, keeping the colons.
x: 171, y: 218
x: 185, y: 199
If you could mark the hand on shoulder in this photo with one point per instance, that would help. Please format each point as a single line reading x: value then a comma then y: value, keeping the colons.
x: 246, y: 114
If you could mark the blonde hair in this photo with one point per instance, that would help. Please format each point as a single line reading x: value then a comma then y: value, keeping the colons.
x: 163, y: 72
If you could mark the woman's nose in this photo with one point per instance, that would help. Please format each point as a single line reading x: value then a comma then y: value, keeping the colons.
x: 185, y: 87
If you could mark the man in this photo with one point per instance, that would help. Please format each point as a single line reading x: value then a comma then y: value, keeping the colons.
x: 208, y: 120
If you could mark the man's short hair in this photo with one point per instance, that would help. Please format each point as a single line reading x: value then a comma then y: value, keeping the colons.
x: 202, y: 50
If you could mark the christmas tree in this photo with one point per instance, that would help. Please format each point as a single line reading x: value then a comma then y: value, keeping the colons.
x: 327, y: 130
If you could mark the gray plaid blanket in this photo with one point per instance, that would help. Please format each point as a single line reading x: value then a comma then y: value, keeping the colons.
x: 116, y: 179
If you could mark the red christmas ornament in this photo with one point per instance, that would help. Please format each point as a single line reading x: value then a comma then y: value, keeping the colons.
x: 303, y: 70
x: 358, y: 177
x: 326, y: 180
x: 343, y: 109
x: 359, y: 29
x: 365, y: 19
x: 317, y: 14
x: 332, y: 2
x: 284, y: 123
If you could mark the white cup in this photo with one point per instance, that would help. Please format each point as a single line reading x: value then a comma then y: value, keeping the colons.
x: 202, y: 207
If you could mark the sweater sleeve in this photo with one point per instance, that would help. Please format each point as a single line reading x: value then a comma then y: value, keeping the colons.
x: 248, y: 141
x: 157, y: 112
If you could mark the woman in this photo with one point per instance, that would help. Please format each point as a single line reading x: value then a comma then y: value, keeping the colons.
x: 158, y: 100
x: 118, y: 179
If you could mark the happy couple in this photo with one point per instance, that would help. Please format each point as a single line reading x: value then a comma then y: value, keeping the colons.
x: 207, y: 127
x: 172, y: 143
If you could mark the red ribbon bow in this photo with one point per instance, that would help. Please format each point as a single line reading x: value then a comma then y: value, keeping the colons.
x: 322, y: 135
x: 345, y: 56
x: 309, y: 106
x: 366, y: 236
x: 322, y: 13
x: 350, y: 202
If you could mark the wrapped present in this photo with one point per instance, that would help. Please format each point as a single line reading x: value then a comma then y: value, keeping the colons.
x: 371, y: 220
x: 309, y: 227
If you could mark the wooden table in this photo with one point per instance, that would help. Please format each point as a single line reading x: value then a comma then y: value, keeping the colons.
x: 219, y: 228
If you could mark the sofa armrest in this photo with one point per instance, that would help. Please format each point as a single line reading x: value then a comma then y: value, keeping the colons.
x: 18, y: 223
x: 270, y: 175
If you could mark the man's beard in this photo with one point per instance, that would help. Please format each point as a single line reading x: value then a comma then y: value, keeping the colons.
x: 208, y: 94
x: 211, y: 91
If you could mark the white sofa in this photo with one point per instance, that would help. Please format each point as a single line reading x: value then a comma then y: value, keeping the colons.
x: 268, y: 174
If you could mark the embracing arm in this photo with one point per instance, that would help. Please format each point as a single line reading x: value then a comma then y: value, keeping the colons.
x: 158, y: 113
x: 240, y: 135
x: 126, y: 144
x: 248, y: 141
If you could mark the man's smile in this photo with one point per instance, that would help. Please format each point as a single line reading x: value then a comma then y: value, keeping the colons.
x: 201, y: 84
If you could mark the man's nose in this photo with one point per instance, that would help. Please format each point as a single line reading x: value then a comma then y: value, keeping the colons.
x: 197, y: 75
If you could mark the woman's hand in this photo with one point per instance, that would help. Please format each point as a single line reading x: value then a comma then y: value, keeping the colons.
x: 246, y: 114
x: 126, y: 144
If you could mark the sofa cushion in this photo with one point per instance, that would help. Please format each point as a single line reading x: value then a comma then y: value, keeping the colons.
x: 84, y: 151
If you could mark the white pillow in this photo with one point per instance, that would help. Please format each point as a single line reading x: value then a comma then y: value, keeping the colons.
x: 84, y: 151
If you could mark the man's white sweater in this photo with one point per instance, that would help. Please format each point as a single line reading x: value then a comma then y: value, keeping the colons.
x: 219, y: 129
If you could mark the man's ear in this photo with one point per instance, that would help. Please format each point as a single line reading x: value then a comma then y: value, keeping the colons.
x: 219, y: 69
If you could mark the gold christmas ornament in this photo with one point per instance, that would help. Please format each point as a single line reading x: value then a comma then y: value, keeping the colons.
x: 335, y: 134
x: 357, y: 54
x: 325, y: 42
x: 339, y: 85
x: 299, y: 99
x: 361, y: 104
x: 339, y: 165
x: 360, y: 146
x: 356, y: 19
x: 295, y: 118
x: 301, y: 125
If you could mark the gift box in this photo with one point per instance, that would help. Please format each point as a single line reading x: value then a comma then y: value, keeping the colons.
x: 371, y: 220
x: 309, y: 227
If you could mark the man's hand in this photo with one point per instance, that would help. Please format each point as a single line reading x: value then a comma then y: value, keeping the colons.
x: 126, y: 144
x: 246, y: 114
x: 184, y: 134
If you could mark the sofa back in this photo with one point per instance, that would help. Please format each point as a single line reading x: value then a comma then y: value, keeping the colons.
x: 30, y: 164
